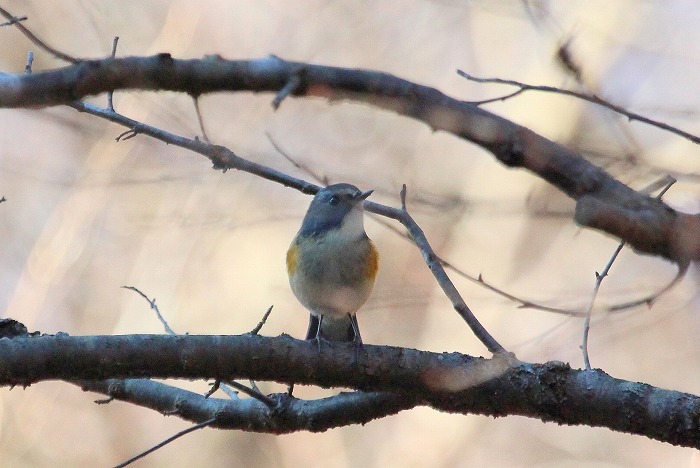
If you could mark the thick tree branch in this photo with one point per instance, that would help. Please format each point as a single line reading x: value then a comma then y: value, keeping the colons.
x: 451, y: 382
x: 603, y: 203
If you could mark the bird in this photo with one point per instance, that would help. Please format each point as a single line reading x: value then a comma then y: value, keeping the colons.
x: 332, y: 263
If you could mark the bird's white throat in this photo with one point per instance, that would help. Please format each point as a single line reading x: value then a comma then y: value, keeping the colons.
x: 353, y: 225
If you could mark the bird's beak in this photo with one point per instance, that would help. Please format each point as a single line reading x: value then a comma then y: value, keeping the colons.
x: 364, y: 195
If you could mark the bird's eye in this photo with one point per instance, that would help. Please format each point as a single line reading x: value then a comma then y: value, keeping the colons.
x: 334, y: 200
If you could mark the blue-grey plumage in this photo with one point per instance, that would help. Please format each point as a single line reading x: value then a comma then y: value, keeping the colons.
x: 330, y: 207
x: 332, y: 263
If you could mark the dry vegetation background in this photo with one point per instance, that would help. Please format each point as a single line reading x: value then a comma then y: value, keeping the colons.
x: 86, y: 215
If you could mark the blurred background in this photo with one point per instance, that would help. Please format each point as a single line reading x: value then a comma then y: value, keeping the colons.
x: 85, y: 215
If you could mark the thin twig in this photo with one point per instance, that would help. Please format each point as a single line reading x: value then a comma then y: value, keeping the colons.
x: 587, y: 321
x: 217, y: 384
x: 254, y: 385
x: 496, y: 99
x: 651, y: 298
x: 30, y: 35
x: 418, y: 236
x: 200, y: 119
x: 222, y: 157
x: 152, y: 303
x: 323, y: 180
x: 527, y: 304
x: 264, y: 399
x: 479, y: 280
x: 592, y: 98
x: 599, y: 279
x: 167, y: 441
x: 670, y: 182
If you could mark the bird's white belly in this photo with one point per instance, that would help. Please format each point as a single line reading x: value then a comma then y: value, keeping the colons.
x: 333, y: 300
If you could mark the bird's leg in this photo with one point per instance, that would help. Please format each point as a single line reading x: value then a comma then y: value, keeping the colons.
x: 319, y: 334
x: 356, y: 329
x: 358, y: 339
x: 313, y: 332
x: 314, y: 327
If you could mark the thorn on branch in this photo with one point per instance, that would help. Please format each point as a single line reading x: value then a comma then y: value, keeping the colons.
x: 30, y: 61
x: 110, y: 95
x: 104, y: 401
x: 403, y: 197
x: 260, y: 324
x: 14, y: 20
x: 114, y: 46
x: 292, y: 85
x: 131, y: 133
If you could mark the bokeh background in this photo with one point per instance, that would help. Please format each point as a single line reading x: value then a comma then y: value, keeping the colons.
x: 85, y: 215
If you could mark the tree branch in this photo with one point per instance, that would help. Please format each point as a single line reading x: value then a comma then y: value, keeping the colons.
x: 648, y: 225
x: 290, y: 414
x: 451, y: 382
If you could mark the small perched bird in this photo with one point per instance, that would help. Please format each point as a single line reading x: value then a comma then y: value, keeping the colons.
x: 332, y: 263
